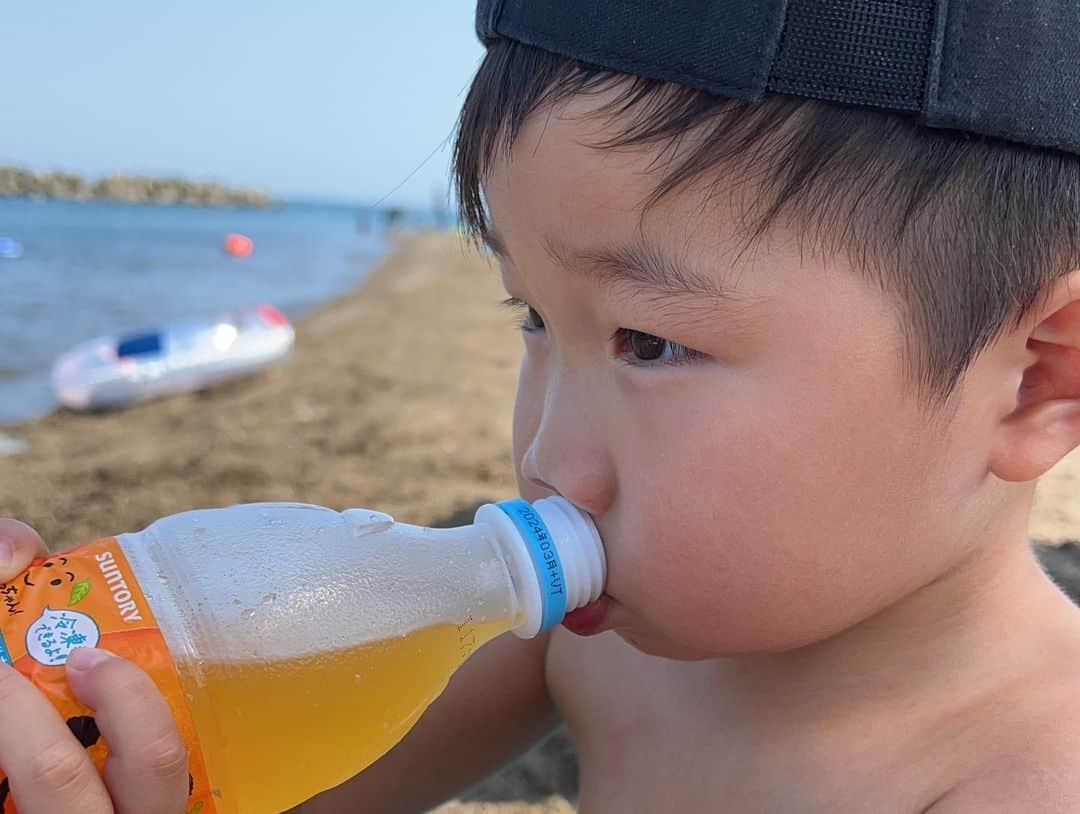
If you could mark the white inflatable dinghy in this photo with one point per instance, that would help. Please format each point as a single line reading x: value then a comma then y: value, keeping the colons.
x: 115, y: 371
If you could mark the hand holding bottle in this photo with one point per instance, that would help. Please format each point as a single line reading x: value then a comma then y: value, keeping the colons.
x: 47, y: 766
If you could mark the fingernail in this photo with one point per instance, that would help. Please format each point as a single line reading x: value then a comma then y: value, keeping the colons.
x: 7, y: 553
x: 85, y: 659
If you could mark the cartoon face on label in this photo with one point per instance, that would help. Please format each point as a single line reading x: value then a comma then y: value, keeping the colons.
x: 52, y: 574
x: 58, y: 576
x: 54, y: 634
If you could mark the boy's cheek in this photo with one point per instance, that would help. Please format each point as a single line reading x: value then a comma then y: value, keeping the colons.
x: 694, y: 591
x: 742, y: 548
x: 748, y: 602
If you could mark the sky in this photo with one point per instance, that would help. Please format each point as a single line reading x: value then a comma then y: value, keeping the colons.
x: 326, y: 99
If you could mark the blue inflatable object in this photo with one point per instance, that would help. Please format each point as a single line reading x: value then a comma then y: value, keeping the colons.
x: 113, y: 371
x: 10, y: 248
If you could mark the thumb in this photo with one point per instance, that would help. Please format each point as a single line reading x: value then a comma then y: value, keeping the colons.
x: 18, y: 545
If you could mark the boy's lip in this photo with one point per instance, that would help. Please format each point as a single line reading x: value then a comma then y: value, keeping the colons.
x: 588, y: 620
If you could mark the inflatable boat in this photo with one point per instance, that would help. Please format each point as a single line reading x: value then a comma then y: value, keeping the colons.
x: 115, y: 371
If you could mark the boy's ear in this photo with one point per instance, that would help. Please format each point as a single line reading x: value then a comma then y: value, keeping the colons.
x: 1044, y: 426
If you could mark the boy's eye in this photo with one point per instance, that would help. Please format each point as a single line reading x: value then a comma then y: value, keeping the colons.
x: 647, y: 347
x: 532, y: 321
x: 529, y: 318
x: 638, y: 347
x: 631, y: 347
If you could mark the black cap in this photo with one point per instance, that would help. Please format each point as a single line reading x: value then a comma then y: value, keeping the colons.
x: 1004, y: 68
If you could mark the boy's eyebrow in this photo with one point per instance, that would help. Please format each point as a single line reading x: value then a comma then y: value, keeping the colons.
x: 642, y: 266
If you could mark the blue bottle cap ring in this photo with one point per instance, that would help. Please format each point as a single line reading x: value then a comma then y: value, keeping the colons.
x: 545, y: 559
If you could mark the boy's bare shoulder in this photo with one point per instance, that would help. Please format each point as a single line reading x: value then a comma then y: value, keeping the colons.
x: 1035, y: 765
x: 1044, y: 782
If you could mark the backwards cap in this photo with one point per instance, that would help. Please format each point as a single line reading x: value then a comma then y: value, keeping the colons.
x: 1004, y: 68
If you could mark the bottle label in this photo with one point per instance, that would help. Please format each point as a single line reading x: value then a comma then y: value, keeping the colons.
x: 545, y: 558
x: 88, y: 597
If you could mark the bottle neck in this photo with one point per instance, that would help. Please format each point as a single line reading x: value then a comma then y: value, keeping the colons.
x: 457, y: 574
x: 553, y: 553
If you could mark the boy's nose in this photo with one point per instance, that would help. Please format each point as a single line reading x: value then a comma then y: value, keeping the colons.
x: 567, y: 456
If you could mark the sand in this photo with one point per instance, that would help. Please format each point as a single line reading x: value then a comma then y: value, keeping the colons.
x: 397, y: 397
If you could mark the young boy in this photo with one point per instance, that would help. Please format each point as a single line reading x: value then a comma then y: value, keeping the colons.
x: 803, y: 361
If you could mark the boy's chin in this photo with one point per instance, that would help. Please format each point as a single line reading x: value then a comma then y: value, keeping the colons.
x: 663, y: 648
x: 608, y: 615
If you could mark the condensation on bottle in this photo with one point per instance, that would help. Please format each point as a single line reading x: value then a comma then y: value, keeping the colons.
x: 305, y: 642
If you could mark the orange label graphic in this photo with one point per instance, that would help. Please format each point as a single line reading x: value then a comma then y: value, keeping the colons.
x: 88, y: 597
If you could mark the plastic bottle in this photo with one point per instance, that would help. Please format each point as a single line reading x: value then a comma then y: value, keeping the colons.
x: 297, y: 644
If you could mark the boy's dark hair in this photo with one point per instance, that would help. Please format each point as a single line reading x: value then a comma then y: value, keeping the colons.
x: 966, y: 232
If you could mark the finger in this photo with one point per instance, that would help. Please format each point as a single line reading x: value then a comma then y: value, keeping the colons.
x: 47, y: 769
x: 18, y: 545
x: 147, y: 768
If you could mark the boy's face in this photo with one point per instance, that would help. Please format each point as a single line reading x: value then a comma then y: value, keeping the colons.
x: 770, y: 486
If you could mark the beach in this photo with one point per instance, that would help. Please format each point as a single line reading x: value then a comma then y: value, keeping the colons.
x: 398, y: 396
